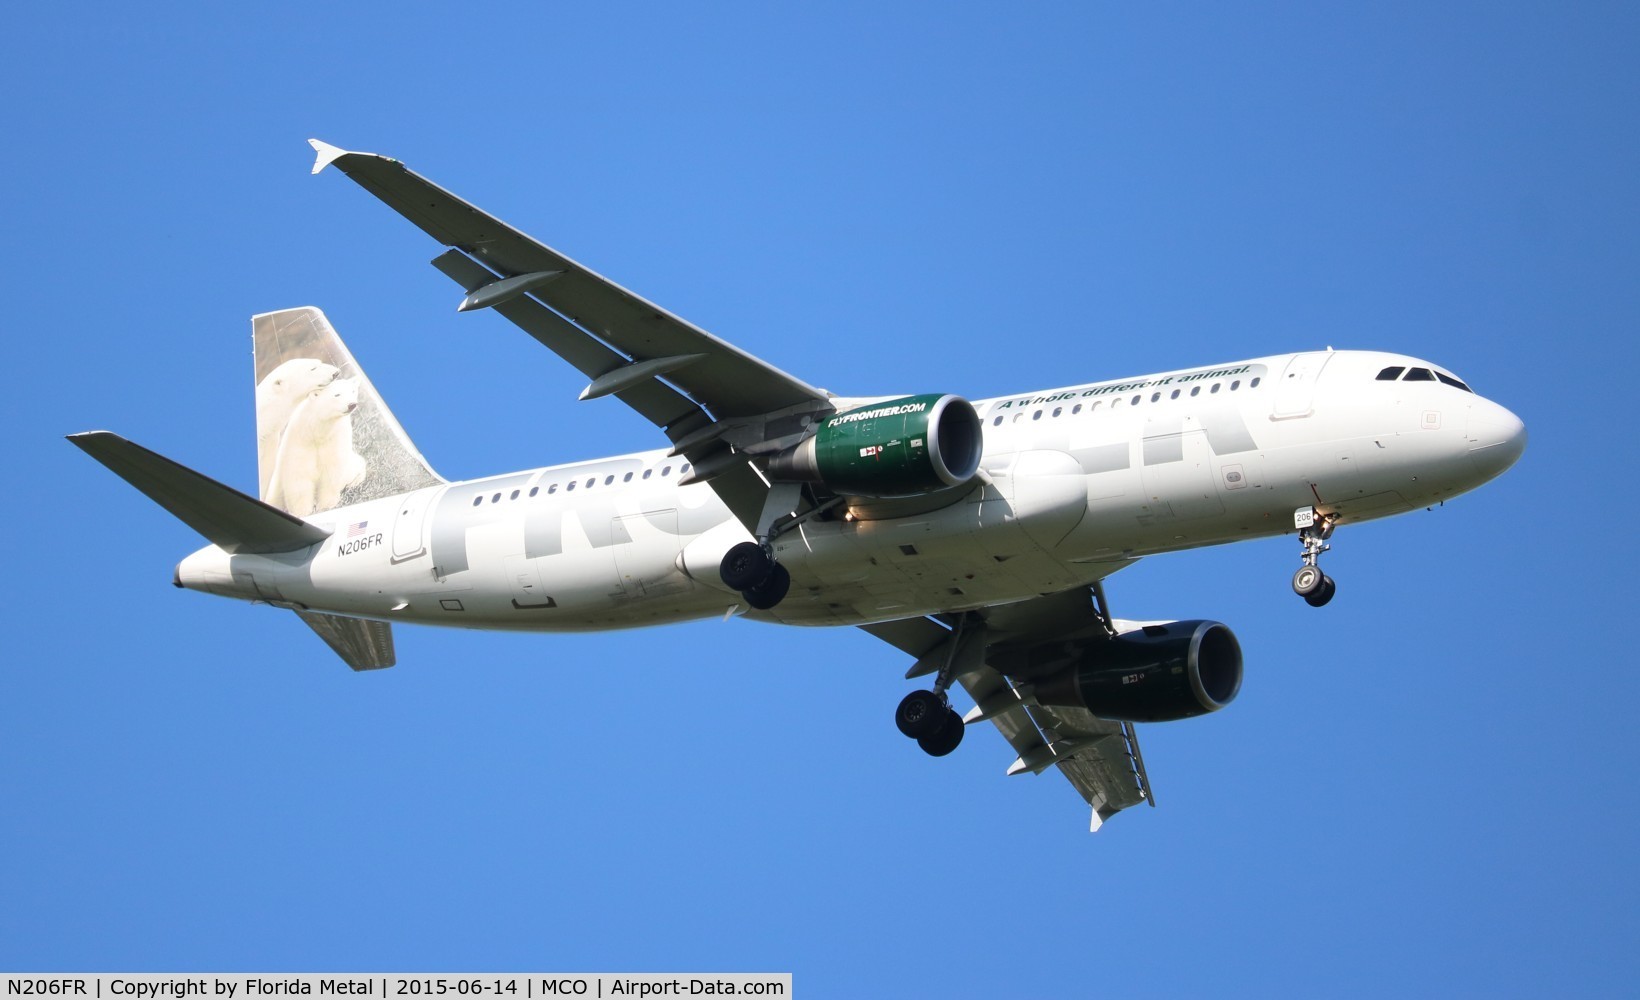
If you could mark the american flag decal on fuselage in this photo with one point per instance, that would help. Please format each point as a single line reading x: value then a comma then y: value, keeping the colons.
x: 358, y: 539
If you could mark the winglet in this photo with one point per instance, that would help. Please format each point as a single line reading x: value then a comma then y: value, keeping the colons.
x: 328, y: 154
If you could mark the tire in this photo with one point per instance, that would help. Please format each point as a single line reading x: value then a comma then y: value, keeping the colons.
x: 771, y: 591
x: 1308, y: 580
x: 1322, y: 595
x: 947, y: 739
x: 745, y: 566
x: 921, y: 715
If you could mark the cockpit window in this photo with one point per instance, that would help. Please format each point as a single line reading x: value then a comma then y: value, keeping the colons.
x: 1449, y: 380
x: 1391, y: 373
x: 1420, y: 375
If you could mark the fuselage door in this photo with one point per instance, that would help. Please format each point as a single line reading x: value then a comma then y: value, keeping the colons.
x: 1295, y: 392
x: 409, y: 523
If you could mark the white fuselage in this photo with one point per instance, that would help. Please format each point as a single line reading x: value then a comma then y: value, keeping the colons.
x: 1074, y: 484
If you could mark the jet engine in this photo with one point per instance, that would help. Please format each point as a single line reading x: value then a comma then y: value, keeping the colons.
x: 896, y: 448
x: 1156, y: 673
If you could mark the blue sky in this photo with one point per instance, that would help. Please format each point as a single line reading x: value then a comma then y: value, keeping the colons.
x: 1425, y: 788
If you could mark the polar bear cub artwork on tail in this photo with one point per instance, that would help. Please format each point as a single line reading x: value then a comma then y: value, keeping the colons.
x: 315, y: 460
x: 277, y: 396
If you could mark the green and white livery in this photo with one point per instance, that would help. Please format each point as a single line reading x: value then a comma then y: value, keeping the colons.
x: 973, y: 535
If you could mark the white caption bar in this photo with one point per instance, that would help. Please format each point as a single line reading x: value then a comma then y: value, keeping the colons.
x: 391, y: 985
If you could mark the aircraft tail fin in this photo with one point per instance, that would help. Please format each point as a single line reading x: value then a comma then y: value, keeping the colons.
x: 324, y: 438
x: 228, y: 518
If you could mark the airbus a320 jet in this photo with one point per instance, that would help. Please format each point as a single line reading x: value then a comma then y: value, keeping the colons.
x: 972, y: 535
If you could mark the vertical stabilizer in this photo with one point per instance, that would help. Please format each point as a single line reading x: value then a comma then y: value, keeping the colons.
x: 324, y: 438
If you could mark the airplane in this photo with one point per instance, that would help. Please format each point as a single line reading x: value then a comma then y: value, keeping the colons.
x: 973, y: 536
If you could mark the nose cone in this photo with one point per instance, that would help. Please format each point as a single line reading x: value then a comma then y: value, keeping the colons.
x: 1496, y: 438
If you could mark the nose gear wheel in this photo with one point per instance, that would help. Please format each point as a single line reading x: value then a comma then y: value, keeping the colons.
x: 1310, y: 583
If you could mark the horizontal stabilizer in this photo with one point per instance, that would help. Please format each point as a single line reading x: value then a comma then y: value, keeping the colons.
x: 362, y: 644
x: 229, y: 519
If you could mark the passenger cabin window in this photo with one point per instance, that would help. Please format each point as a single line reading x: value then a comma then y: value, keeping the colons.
x: 1037, y: 415
x: 514, y: 495
x: 496, y: 498
x: 1454, y: 383
x: 534, y: 490
x: 1253, y: 384
x: 1195, y: 390
x: 997, y: 422
x: 608, y: 480
x: 627, y: 478
x: 1058, y: 410
x: 1235, y: 385
x: 477, y: 500
x: 1214, y: 389
x: 552, y: 489
x: 1174, y: 394
x: 590, y: 481
x: 1391, y: 373
x: 1420, y: 375
x: 647, y: 472
x: 571, y: 486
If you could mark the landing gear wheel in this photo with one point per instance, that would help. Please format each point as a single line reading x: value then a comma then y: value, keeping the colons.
x: 922, y: 715
x: 1323, y: 594
x: 745, y: 566
x: 771, y: 591
x: 948, y: 737
x: 1308, y: 581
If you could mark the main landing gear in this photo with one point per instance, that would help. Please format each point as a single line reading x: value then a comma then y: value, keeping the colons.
x: 927, y: 716
x: 750, y: 568
x: 1314, y: 528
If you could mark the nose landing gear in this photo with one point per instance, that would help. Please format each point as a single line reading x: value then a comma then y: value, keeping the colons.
x: 1314, y: 528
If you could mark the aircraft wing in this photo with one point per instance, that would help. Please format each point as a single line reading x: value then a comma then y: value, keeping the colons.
x: 623, y: 343
x: 1100, y: 758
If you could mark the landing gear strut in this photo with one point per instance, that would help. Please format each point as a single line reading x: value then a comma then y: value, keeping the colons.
x: 927, y: 716
x: 750, y: 567
x: 1314, y: 528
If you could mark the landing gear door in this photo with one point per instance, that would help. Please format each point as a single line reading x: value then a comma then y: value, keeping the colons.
x: 1295, y: 392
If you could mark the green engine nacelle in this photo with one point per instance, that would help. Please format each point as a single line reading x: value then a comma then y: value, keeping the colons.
x: 898, y: 448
